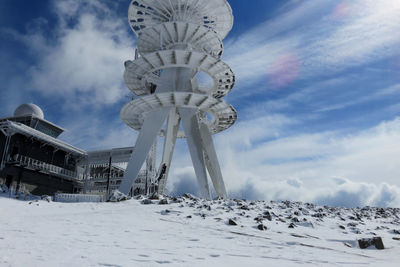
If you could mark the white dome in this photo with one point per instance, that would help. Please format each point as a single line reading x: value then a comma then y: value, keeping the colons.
x: 29, y: 109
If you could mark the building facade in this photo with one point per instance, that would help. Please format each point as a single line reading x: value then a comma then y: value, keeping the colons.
x: 34, y: 160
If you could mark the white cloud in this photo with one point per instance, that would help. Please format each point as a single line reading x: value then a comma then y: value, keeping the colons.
x: 307, y: 167
x: 82, y: 60
x: 321, y: 40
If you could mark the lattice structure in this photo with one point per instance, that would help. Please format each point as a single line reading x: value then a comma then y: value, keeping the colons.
x: 177, y: 40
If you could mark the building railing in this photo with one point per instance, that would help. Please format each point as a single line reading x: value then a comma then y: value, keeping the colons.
x: 43, y: 166
x: 74, y: 198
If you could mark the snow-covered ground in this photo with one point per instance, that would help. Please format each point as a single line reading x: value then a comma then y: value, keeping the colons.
x: 193, y: 232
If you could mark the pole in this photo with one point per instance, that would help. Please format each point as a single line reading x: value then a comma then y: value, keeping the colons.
x: 108, y: 179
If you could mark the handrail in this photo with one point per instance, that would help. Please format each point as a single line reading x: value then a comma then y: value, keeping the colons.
x: 40, y: 165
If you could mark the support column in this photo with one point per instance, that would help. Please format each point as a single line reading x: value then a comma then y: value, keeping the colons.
x: 168, y: 150
x: 211, y: 159
x: 150, y: 129
x: 192, y: 131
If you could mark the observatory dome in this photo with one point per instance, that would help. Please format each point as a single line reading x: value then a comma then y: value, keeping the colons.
x: 29, y: 109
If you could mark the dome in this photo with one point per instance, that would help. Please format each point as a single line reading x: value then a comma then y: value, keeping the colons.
x: 29, y: 109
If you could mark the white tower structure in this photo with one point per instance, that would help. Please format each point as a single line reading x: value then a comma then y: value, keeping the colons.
x: 177, y: 40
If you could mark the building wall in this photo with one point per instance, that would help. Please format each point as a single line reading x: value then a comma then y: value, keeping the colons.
x: 22, y: 145
x: 36, y: 183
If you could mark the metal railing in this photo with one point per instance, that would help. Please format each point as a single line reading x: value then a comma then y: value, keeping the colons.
x: 75, y: 198
x: 43, y: 166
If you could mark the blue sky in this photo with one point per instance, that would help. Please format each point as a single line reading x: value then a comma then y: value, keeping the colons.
x: 317, y: 92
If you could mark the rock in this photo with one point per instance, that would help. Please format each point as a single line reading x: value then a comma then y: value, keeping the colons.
x: 189, y: 216
x: 374, y: 241
x: 154, y: 196
x: 244, y: 207
x: 342, y: 227
x: 267, y: 215
x: 232, y: 222
x: 117, y: 196
x: 147, y: 201
x: 163, y: 201
x: 189, y: 196
x: 262, y: 227
x: 291, y: 225
x: 46, y: 198
x: 295, y: 219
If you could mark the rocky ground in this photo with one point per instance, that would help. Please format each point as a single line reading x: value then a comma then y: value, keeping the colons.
x: 187, y: 231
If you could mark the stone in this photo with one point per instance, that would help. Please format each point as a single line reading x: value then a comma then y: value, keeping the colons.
x: 117, y: 196
x: 232, y: 222
x: 163, y: 201
x: 46, y: 198
x: 262, y: 227
x: 291, y: 225
x: 295, y: 219
x: 267, y: 215
x: 374, y: 241
x: 147, y: 201
x: 189, y: 196
x: 154, y: 196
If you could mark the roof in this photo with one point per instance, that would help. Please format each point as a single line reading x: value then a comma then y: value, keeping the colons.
x: 118, y: 155
x: 11, y: 127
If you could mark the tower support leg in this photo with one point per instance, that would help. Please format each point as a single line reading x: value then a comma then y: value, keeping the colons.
x: 169, y: 145
x: 211, y: 159
x: 191, y: 127
x: 150, y: 129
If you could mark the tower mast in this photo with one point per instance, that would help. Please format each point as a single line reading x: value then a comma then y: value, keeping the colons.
x: 177, y: 40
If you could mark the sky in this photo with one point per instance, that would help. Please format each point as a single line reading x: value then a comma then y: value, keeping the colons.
x: 317, y: 92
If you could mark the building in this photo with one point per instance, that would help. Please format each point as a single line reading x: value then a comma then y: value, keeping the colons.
x: 34, y: 160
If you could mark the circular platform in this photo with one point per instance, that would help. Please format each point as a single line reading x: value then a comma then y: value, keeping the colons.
x: 140, y: 72
x: 171, y: 34
x: 212, y: 14
x: 223, y: 114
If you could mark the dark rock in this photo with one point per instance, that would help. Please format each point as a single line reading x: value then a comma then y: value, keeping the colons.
x: 262, y: 227
x: 176, y: 200
x: 147, y: 201
x: 268, y: 215
x: 154, y: 196
x: 291, y: 225
x: 163, y: 201
x: 396, y: 238
x: 342, y: 227
x: 232, y: 222
x: 258, y: 219
x: 189, y: 216
x: 190, y: 196
x: 295, y: 219
x: 352, y: 224
x: 367, y: 242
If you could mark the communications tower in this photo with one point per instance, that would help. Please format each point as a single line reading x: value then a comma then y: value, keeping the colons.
x: 177, y: 40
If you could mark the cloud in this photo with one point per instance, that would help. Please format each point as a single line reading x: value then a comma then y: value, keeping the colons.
x: 327, y: 168
x: 81, y: 59
x: 321, y: 37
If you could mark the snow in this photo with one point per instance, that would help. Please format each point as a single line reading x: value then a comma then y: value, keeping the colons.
x: 193, y: 232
